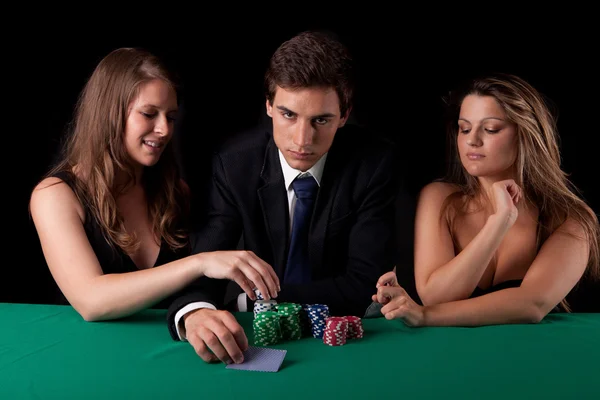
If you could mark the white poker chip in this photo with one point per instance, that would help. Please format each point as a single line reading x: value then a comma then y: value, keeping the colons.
x: 258, y: 294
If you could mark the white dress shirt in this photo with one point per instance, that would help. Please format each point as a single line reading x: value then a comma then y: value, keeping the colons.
x: 289, y: 174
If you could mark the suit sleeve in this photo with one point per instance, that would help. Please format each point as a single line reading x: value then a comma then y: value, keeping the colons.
x: 370, y: 250
x: 220, y: 230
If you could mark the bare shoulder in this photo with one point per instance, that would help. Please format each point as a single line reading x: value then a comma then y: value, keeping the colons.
x: 437, y: 192
x: 53, y: 195
x: 50, y: 188
x: 572, y: 228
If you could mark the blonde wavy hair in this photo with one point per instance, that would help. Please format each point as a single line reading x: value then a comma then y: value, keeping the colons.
x: 538, y: 163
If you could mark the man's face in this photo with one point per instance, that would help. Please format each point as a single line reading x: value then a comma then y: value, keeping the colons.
x: 305, y: 121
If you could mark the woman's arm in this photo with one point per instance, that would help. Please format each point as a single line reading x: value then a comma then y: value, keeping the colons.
x: 58, y: 216
x: 557, y: 268
x: 440, y: 274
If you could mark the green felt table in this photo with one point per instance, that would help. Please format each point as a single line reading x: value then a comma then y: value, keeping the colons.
x: 50, y: 352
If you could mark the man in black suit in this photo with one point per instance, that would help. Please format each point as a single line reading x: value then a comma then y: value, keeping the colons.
x: 311, y: 195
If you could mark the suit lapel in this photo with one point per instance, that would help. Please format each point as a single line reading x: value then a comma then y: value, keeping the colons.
x: 274, y: 204
x: 322, y: 212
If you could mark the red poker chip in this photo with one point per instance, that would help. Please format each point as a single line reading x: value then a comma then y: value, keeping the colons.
x: 355, y: 328
x: 339, y: 329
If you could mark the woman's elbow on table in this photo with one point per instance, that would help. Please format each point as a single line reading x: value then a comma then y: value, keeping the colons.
x: 91, y: 313
x: 93, y: 309
x: 534, y: 307
x: 533, y: 314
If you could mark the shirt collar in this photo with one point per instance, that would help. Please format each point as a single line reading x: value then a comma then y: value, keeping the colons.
x: 289, y: 173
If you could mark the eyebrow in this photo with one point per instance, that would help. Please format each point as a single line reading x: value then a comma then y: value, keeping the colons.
x: 326, y: 115
x: 485, y: 119
x: 150, y: 105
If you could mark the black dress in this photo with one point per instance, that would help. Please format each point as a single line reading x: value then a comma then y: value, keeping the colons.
x: 112, y: 259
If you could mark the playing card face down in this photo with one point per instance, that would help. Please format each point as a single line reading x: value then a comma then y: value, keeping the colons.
x: 261, y: 359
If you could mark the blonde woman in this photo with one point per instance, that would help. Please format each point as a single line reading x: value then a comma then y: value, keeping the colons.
x: 506, y: 237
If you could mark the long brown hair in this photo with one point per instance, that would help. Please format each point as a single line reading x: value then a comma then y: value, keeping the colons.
x: 538, y: 163
x: 94, y: 151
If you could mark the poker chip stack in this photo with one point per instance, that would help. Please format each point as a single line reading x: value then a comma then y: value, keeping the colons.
x: 274, y: 322
x: 289, y: 317
x: 317, y: 313
x: 339, y: 329
x: 355, y: 327
x: 264, y: 305
x: 336, y: 331
x: 267, y: 328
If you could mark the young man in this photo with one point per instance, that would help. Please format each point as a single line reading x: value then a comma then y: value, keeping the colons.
x: 311, y: 196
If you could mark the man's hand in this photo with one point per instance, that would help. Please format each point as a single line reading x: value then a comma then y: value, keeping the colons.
x: 216, y: 335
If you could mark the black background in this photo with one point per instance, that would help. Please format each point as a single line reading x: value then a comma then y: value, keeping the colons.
x: 405, y: 66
